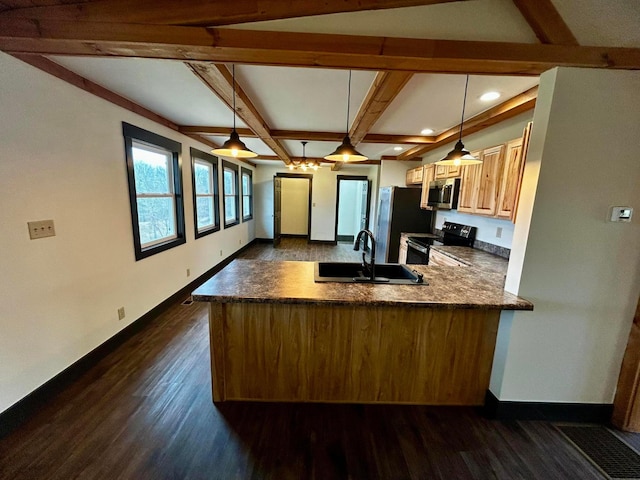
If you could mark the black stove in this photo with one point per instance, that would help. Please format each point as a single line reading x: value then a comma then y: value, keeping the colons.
x: 454, y: 234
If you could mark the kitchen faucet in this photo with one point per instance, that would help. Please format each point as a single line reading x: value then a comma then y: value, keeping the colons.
x: 372, y: 266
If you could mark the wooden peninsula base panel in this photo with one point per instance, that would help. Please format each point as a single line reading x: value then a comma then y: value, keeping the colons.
x: 351, y: 354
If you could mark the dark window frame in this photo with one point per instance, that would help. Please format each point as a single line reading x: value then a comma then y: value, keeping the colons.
x: 213, y: 160
x: 131, y: 133
x: 231, y: 166
x: 245, y: 171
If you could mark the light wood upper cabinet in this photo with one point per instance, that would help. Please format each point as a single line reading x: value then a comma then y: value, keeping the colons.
x: 414, y: 176
x: 511, y: 180
x: 427, y: 176
x: 444, y: 171
x: 489, y: 180
x: 469, y: 184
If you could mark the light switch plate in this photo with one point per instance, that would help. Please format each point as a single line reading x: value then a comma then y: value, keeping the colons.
x: 41, y: 229
x: 621, y: 214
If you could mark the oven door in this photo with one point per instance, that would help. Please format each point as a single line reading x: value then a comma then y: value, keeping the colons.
x: 417, y: 254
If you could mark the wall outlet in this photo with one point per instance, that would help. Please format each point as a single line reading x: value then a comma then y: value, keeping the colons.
x: 220, y: 252
x: 120, y: 313
x: 240, y: 241
x: 188, y: 272
x: 499, y: 232
x: 41, y: 229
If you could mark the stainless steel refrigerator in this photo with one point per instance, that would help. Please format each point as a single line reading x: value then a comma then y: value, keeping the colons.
x: 399, y: 211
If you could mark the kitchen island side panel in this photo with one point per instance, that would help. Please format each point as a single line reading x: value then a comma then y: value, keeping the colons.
x: 351, y: 354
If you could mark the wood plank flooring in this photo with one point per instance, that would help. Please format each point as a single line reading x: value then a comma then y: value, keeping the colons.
x: 145, y: 412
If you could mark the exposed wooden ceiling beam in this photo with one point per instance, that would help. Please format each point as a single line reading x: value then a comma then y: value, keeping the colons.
x: 76, y: 80
x: 79, y: 81
x: 202, y: 12
x: 519, y: 104
x: 546, y: 22
x: 312, y: 136
x: 219, y: 79
x: 385, y: 87
x: 302, y: 49
x: 321, y: 160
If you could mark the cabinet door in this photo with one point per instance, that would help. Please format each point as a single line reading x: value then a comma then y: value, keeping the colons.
x: 442, y: 171
x: 409, y: 179
x: 417, y: 175
x: 469, y: 187
x: 511, y: 178
x: 454, y: 171
x: 489, y: 181
x: 427, y: 177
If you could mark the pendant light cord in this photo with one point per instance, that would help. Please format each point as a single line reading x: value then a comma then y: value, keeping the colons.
x: 464, y: 101
x: 348, y: 101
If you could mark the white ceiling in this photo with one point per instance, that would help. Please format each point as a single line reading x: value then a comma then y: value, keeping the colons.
x: 312, y: 99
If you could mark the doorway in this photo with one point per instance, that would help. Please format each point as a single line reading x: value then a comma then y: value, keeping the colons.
x: 352, y: 206
x: 291, y: 206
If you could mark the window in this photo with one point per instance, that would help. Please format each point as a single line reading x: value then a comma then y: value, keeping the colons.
x: 155, y: 191
x: 231, y: 197
x: 204, y: 176
x: 247, y: 194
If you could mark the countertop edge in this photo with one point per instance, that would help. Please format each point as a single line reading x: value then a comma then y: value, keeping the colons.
x: 368, y: 303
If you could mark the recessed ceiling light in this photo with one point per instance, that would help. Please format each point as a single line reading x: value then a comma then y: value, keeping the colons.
x: 397, y: 149
x: 426, y: 131
x: 487, y: 97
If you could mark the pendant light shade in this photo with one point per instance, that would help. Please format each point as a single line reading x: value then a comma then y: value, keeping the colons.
x: 460, y: 155
x: 346, y: 152
x: 234, y: 147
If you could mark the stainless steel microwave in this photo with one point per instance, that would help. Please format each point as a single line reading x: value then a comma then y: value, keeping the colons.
x: 443, y: 194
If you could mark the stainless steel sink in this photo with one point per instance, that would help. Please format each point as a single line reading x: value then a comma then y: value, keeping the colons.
x: 386, y: 273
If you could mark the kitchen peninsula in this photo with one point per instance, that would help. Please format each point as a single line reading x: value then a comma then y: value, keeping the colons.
x: 276, y: 335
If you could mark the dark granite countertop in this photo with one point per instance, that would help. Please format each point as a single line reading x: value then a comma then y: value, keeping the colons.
x: 292, y: 282
x: 484, y: 261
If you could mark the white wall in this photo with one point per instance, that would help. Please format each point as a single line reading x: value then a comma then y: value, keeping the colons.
x: 394, y: 173
x: 324, y: 196
x: 581, y: 272
x: 295, y: 206
x: 62, y: 158
x: 495, y: 135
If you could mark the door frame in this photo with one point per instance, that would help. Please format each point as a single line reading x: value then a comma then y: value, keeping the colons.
x: 351, y: 177
x: 310, y: 178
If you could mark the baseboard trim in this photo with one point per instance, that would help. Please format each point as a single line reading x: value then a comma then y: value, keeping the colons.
x: 323, y: 242
x: 550, y: 411
x: 264, y: 240
x: 294, y: 235
x: 20, y: 411
x: 346, y: 238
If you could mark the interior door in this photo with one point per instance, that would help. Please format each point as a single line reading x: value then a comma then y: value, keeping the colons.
x: 364, y: 205
x: 277, y: 210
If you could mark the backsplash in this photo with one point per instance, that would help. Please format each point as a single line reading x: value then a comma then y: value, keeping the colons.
x: 503, y: 252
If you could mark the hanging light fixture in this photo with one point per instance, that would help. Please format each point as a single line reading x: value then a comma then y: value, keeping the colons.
x: 460, y: 155
x: 234, y: 147
x: 345, y: 151
x: 304, y: 163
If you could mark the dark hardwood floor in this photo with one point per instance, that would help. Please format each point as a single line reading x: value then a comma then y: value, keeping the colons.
x: 145, y: 412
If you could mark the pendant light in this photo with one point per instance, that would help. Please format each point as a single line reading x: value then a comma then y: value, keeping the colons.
x: 460, y: 155
x: 234, y: 147
x: 303, y: 164
x: 346, y: 152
